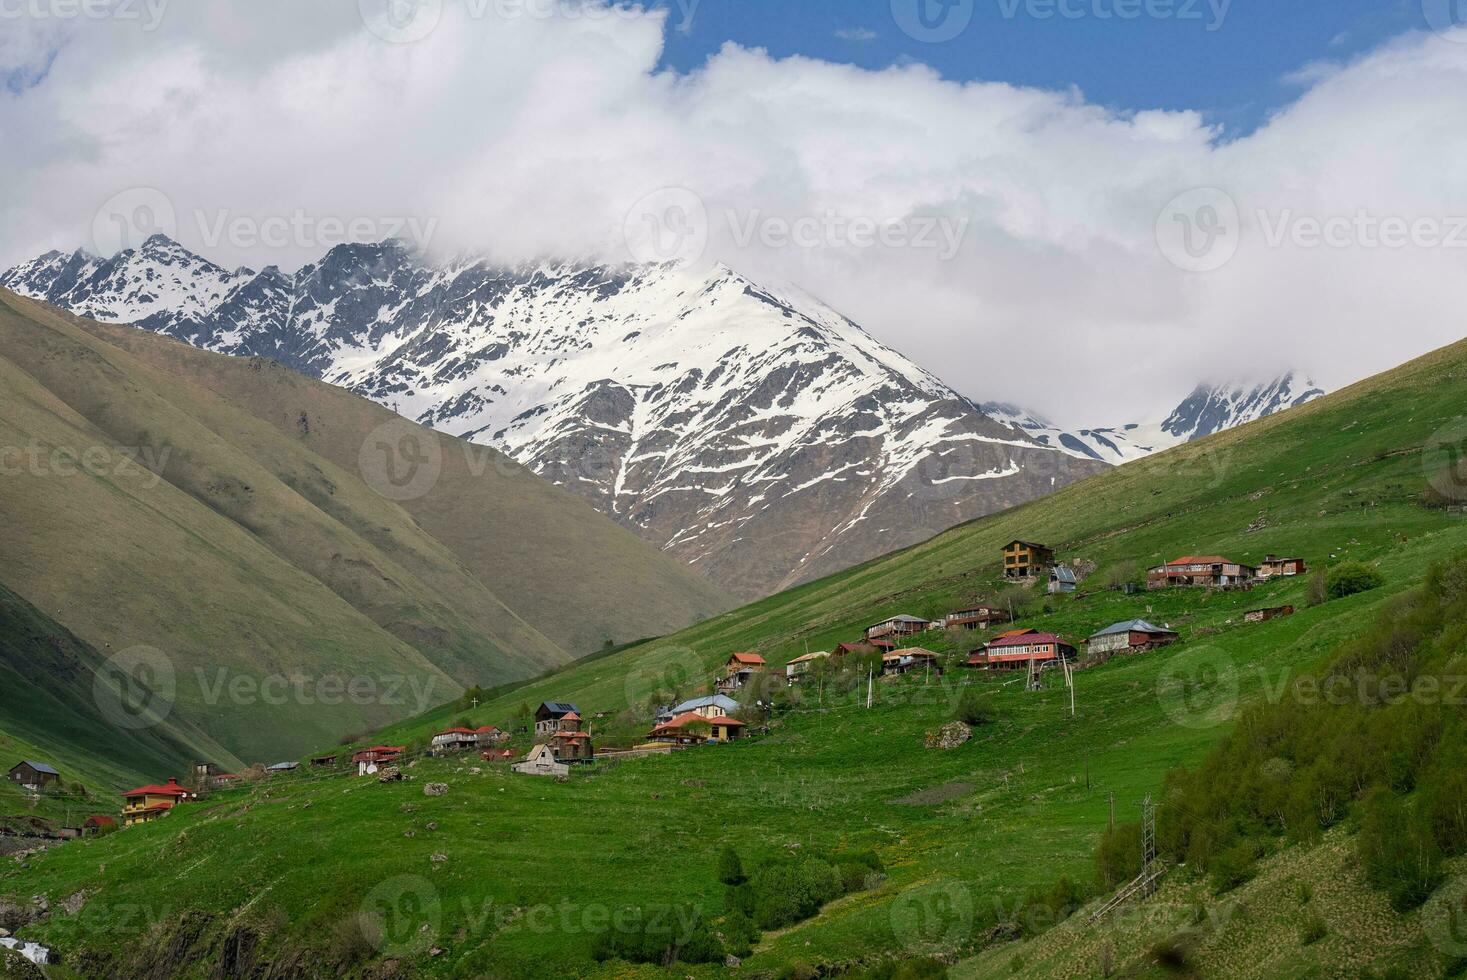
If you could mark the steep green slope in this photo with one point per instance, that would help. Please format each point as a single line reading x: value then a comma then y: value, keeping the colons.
x: 51, y: 712
x: 291, y: 601
x: 512, y: 876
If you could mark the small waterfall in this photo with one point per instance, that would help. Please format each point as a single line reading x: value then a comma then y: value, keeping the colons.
x: 34, y: 952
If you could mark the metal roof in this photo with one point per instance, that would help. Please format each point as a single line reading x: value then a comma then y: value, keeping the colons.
x: 1139, y: 625
x: 37, y: 766
x: 720, y: 701
x: 559, y: 707
x: 1063, y: 574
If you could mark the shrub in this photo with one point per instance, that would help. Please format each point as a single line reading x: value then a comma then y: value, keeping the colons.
x: 788, y: 891
x: 1351, y: 578
x: 976, y: 709
x: 661, y: 937
x: 1399, y: 851
x: 1118, y: 859
x: 1318, y: 589
x: 1234, y: 866
x: 1313, y: 931
x: 740, y: 935
x: 730, y: 868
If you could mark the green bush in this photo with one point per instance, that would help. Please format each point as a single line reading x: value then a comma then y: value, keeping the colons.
x: 1351, y: 578
x: 661, y: 936
x: 976, y: 709
x: 1234, y: 866
x: 1399, y: 852
x: 787, y: 892
x: 1118, y: 859
x: 740, y: 934
x: 1313, y: 931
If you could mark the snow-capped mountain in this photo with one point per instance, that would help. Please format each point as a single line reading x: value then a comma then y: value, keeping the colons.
x: 752, y: 431
x: 1208, y: 409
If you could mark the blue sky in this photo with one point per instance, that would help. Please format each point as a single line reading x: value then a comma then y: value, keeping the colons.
x: 1237, y: 74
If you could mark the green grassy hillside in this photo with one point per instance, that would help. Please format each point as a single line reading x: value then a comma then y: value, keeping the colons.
x: 143, y: 509
x: 514, y: 876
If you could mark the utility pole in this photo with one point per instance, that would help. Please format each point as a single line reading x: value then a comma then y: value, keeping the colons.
x: 1112, y: 812
x: 1148, y: 843
x: 870, y: 686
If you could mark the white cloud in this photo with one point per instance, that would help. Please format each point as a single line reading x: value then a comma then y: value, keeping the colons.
x: 530, y: 134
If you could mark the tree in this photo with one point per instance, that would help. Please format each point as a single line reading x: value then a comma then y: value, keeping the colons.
x: 730, y: 868
x: 1353, y: 577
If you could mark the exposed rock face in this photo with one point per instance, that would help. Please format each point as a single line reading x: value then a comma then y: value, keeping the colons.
x: 753, y: 432
x: 435, y: 789
x: 950, y: 736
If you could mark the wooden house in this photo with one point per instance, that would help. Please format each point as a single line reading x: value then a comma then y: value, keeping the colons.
x: 896, y: 627
x: 1264, y: 615
x: 324, y: 762
x: 739, y: 670
x: 797, y: 668
x: 33, y: 775
x: 282, y: 767
x: 368, y: 761
x: 1017, y: 650
x: 491, y: 735
x: 569, y: 743
x: 148, y: 803
x: 98, y: 824
x: 1206, y: 571
x: 1130, y: 636
x: 909, y: 660
x: 861, y: 649
x: 694, y: 729
x: 1275, y: 567
x: 976, y: 618
x: 1062, y: 579
x: 1026, y: 559
x: 548, y: 715
x: 541, y: 762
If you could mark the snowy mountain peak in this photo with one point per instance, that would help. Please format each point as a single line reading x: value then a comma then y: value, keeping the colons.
x: 748, y: 428
x: 1207, y: 410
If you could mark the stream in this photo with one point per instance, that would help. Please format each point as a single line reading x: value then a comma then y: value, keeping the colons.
x: 34, y: 952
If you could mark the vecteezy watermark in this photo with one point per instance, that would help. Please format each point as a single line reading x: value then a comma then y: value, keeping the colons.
x: 1199, y: 230
x: 1362, y: 230
x: 1211, y: 13
x: 136, y: 688
x: 129, y: 218
x: 1447, y: 18
x: 933, y: 21
x: 36, y: 460
x: 673, y: 225
x: 401, y: 916
x: 401, y: 461
x: 147, y: 14
x: 664, y: 674
x: 222, y: 685
x: 933, y: 917
x: 409, y: 21
x: 1444, y: 458
x: 1200, y: 690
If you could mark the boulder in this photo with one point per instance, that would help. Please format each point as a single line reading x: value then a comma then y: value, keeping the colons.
x: 435, y: 789
x: 949, y: 736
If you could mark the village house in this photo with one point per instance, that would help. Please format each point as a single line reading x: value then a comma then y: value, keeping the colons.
x: 548, y: 715
x: 800, y: 666
x: 1130, y: 636
x: 1016, y: 650
x: 896, y: 627
x: 369, y: 761
x: 1212, y: 571
x: 708, y: 706
x: 739, y: 670
x: 909, y: 660
x: 324, y: 762
x: 454, y: 740
x: 695, y: 729
x: 151, y: 802
x: 569, y: 743
x: 492, y: 735
x: 1062, y: 578
x: 282, y: 767
x: 1273, y: 566
x: 98, y: 824
x: 976, y: 618
x: 860, y: 649
x: 1026, y: 560
x: 34, y: 776
x: 1264, y: 615
x: 498, y: 755
x: 541, y: 762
